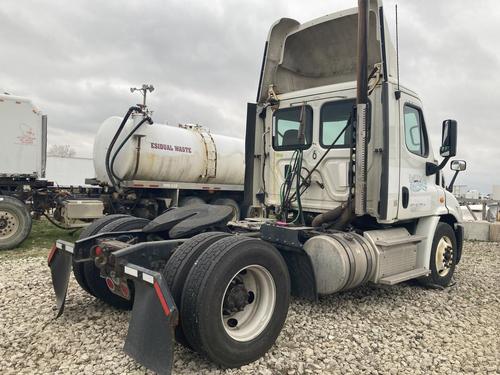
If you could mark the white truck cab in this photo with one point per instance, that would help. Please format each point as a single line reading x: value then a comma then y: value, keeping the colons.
x: 324, y: 157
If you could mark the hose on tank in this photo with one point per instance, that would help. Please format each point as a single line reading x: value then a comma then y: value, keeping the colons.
x: 129, y: 135
x: 113, y: 141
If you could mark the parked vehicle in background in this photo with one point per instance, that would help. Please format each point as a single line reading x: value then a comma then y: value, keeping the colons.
x: 24, y: 193
x: 146, y: 167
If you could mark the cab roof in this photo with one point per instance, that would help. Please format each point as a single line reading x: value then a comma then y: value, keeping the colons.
x: 321, y: 52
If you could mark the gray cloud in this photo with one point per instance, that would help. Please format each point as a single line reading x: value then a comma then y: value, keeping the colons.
x: 77, y: 60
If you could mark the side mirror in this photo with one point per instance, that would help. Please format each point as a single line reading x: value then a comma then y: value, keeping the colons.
x: 458, y: 165
x: 449, y: 139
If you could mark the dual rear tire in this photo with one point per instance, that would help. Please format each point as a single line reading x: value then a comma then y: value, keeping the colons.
x: 88, y: 275
x: 233, y: 301
x: 90, y: 230
x: 232, y: 291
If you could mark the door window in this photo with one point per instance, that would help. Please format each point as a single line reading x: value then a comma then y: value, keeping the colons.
x: 415, y: 135
x: 334, y: 118
x: 286, y: 128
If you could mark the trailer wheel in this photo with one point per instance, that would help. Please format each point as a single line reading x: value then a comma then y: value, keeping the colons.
x: 15, y: 222
x: 88, y: 231
x: 443, y: 257
x: 95, y: 282
x: 191, y: 201
x: 235, y: 300
x: 231, y: 203
x: 179, y: 264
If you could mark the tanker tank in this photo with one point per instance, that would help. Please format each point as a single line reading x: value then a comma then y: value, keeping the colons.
x: 159, y: 152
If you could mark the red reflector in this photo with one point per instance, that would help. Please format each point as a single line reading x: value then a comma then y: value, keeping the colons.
x: 124, y: 289
x: 52, y: 253
x: 164, y: 305
x: 97, y: 251
x: 110, y: 283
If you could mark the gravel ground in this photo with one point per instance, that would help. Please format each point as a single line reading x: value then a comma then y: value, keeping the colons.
x: 371, y: 330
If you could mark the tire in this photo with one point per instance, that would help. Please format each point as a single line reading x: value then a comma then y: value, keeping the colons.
x: 179, y: 265
x: 205, y: 303
x: 88, y: 231
x: 15, y: 222
x: 231, y: 203
x: 443, y: 257
x: 191, y: 201
x: 97, y: 284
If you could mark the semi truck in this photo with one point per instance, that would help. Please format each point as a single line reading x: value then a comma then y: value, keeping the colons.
x: 137, y: 172
x: 342, y: 187
x: 24, y: 192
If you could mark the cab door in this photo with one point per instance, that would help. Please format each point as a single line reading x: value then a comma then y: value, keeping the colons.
x: 419, y: 194
x: 324, y: 122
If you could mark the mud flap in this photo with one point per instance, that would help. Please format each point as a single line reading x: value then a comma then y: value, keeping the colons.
x: 150, y: 338
x: 60, y: 263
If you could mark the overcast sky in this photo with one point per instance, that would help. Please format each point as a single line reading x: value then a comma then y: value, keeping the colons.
x: 77, y: 60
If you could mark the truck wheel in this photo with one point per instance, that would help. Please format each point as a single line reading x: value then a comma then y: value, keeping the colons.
x: 15, y: 222
x: 96, y: 283
x: 88, y: 231
x: 231, y: 203
x: 179, y: 264
x: 443, y: 257
x: 191, y: 201
x: 235, y: 300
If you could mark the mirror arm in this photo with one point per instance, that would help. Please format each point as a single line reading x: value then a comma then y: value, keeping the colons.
x: 450, y: 186
x: 431, y: 168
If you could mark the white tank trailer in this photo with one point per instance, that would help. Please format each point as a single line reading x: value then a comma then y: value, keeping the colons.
x: 152, y: 167
x: 163, y: 153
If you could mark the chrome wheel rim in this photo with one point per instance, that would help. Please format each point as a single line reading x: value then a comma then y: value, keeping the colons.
x: 248, y: 303
x: 444, y: 256
x: 9, y: 224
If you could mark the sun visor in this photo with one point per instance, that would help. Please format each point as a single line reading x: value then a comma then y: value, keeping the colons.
x: 320, y: 52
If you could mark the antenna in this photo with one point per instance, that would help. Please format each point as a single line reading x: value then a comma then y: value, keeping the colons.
x: 144, y: 90
x: 398, y: 94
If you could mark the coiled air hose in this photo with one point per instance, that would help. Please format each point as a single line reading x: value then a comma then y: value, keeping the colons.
x: 112, y: 164
x: 113, y: 141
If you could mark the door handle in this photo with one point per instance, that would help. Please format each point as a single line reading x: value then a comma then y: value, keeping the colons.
x: 405, y: 196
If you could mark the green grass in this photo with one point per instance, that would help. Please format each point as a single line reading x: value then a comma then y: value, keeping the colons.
x: 43, y: 235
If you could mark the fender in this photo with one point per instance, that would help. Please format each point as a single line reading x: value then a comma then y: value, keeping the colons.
x: 288, y: 242
x: 426, y: 226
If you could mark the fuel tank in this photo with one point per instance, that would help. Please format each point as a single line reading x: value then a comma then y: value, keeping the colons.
x: 159, y: 152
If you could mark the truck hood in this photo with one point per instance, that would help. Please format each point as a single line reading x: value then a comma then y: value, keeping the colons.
x: 322, y: 51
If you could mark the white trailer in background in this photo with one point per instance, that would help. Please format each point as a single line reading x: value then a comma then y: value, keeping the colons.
x: 68, y: 171
x: 23, y: 143
x: 23, y: 146
x: 24, y: 193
